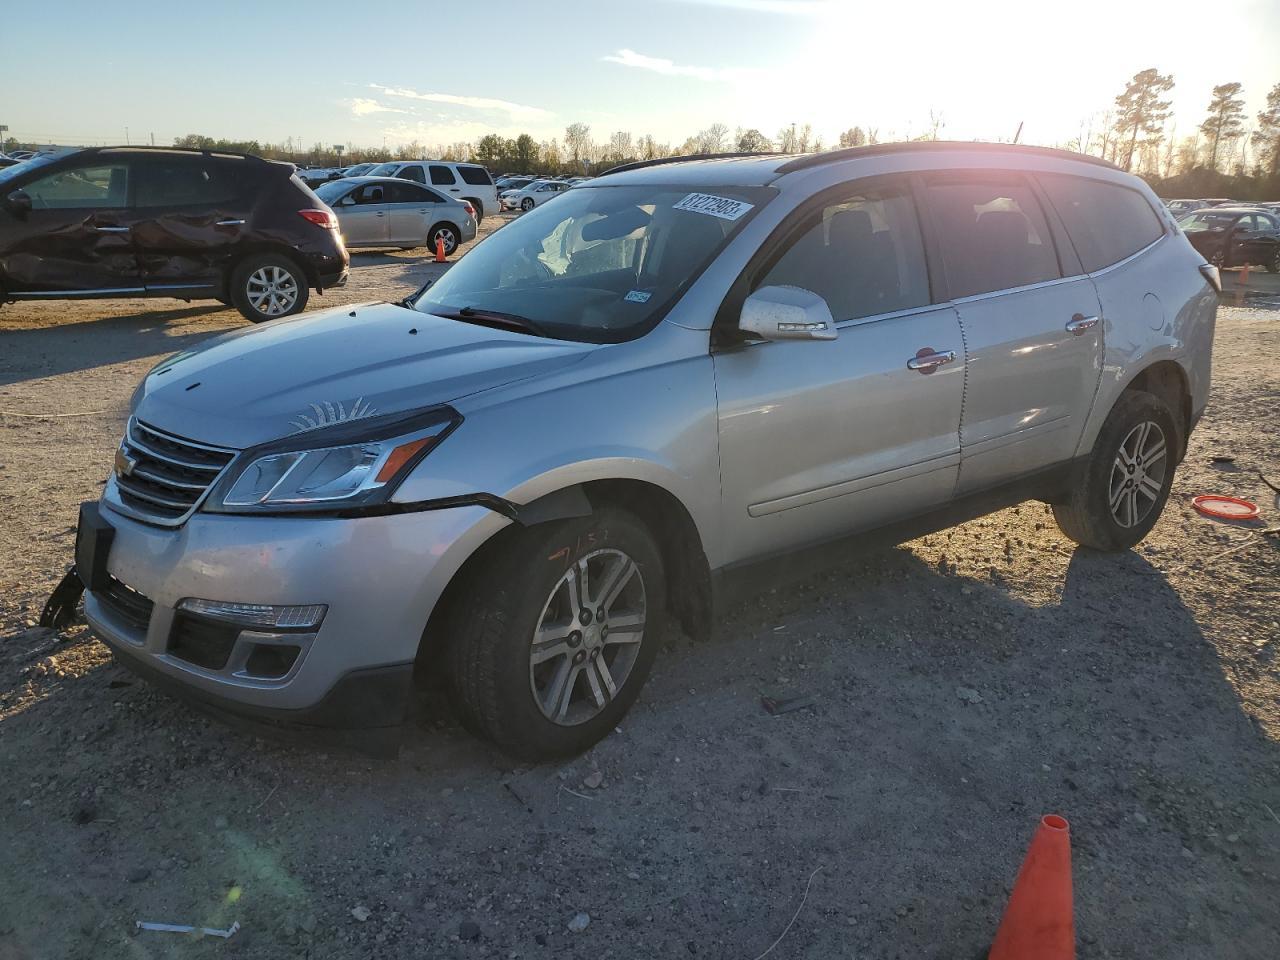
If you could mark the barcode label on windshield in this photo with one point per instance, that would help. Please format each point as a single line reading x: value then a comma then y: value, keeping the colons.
x: 721, y: 207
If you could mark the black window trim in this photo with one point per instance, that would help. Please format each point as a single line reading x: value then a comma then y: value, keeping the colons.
x: 725, y: 333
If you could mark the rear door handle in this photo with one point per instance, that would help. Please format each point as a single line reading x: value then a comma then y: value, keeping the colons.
x: 379, y: 214
x: 1079, y: 323
x: 928, y: 360
x: 112, y: 229
x: 229, y: 223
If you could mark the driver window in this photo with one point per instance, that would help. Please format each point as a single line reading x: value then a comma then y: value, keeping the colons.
x: 862, y: 254
x: 103, y: 186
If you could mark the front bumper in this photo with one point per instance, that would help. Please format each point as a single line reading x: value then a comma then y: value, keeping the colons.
x: 380, y: 578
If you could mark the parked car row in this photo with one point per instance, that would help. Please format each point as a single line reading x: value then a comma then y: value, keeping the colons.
x: 1235, y: 236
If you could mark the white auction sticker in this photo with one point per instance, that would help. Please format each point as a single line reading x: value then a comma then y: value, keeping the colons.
x: 714, y: 206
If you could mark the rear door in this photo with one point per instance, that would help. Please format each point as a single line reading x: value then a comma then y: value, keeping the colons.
x: 1264, y: 243
x: 1031, y: 320
x: 365, y: 219
x: 823, y: 438
x: 77, y: 237
x: 193, y: 216
x: 444, y: 179
x: 412, y: 211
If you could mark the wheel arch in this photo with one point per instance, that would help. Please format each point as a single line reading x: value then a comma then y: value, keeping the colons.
x: 686, y: 566
x: 258, y: 247
x: 1167, y: 380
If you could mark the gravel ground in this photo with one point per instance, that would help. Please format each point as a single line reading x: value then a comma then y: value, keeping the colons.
x: 963, y: 684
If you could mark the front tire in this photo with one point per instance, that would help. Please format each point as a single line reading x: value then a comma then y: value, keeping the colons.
x: 1273, y: 262
x: 552, y: 639
x: 268, y: 286
x: 526, y: 204
x: 1126, y: 482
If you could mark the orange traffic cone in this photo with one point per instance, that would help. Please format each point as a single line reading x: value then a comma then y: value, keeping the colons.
x: 440, y: 257
x: 1038, y: 923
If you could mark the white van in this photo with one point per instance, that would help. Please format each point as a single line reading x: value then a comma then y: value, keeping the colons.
x: 462, y: 181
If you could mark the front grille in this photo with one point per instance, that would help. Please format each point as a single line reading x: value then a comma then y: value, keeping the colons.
x: 169, y: 475
x: 126, y: 604
x: 205, y: 643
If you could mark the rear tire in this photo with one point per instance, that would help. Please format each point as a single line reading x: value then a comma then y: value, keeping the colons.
x: 268, y: 286
x: 1123, y: 489
x: 479, y: 208
x: 1273, y: 264
x: 547, y: 699
x: 449, y: 233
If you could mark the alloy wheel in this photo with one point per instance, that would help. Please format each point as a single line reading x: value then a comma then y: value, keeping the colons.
x: 1138, y: 473
x: 272, y: 290
x: 588, y: 637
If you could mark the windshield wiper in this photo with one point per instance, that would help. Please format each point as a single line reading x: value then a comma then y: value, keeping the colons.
x: 492, y: 318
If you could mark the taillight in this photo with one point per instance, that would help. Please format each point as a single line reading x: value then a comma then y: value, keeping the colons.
x: 1212, y: 275
x: 321, y: 218
x: 471, y: 211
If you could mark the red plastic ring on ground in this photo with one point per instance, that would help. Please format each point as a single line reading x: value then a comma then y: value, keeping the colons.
x: 1225, y: 508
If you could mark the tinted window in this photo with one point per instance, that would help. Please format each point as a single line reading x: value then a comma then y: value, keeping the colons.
x: 412, y: 172
x: 993, y: 235
x: 408, y: 193
x: 863, y: 255
x: 182, y: 182
x: 440, y: 174
x: 99, y: 186
x: 1107, y: 222
x: 371, y: 193
x: 477, y: 176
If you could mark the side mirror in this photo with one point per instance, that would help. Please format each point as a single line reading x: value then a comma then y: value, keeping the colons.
x: 19, y: 202
x: 786, y: 313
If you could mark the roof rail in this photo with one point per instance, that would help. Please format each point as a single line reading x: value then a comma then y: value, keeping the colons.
x: 928, y: 146
x: 640, y: 164
x: 206, y: 152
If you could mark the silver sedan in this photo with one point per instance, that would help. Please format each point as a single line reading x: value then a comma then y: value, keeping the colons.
x: 387, y: 212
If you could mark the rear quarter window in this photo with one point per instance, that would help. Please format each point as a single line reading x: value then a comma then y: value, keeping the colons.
x: 1107, y: 222
x: 476, y: 176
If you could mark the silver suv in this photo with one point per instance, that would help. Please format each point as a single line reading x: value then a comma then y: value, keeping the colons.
x: 626, y: 404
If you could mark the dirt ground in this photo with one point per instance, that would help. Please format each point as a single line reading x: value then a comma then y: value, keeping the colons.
x: 963, y: 684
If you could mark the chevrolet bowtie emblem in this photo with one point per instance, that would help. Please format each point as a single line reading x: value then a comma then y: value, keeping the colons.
x: 124, y: 463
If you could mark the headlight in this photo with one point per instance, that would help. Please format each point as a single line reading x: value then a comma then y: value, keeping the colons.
x: 304, y: 472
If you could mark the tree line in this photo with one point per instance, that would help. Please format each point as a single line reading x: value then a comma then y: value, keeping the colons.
x: 1225, y: 155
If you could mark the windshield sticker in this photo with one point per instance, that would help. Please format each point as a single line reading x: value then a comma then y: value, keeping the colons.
x: 638, y: 296
x: 714, y: 206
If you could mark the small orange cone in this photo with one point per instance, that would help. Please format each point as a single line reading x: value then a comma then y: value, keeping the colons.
x: 1038, y: 924
x: 440, y: 257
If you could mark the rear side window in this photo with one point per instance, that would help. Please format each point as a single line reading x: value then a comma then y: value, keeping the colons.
x: 476, y: 176
x: 442, y: 175
x: 406, y: 193
x: 1107, y: 222
x: 186, y: 183
x: 993, y: 234
x: 862, y: 254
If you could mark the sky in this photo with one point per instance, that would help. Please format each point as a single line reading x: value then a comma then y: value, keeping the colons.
x: 364, y: 74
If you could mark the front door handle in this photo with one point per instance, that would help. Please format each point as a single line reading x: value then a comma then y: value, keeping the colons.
x: 379, y: 214
x: 112, y: 229
x: 1079, y: 323
x: 928, y: 360
x: 229, y: 223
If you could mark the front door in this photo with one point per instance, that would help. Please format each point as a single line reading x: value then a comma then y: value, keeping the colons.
x: 193, y: 214
x: 365, y: 217
x: 823, y: 438
x: 444, y: 179
x: 1034, y: 337
x: 77, y: 237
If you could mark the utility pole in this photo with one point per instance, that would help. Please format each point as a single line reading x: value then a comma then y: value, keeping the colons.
x: 126, y: 137
x: 153, y: 139
x: 1019, y: 133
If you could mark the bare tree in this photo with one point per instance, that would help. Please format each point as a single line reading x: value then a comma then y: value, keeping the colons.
x: 620, y: 147
x: 753, y: 141
x: 1225, y: 120
x: 577, y: 141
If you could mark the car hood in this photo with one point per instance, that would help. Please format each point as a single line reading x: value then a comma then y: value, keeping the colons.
x: 266, y: 382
